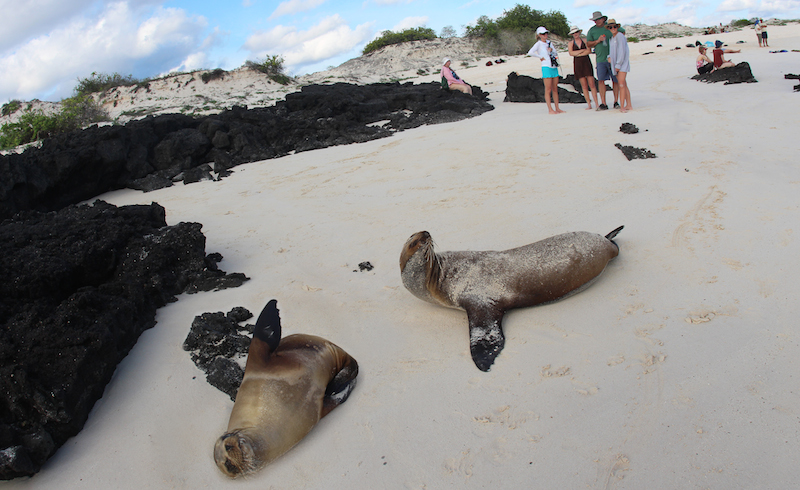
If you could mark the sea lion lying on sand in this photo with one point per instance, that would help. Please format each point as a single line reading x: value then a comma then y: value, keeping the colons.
x: 288, y: 386
x: 486, y: 284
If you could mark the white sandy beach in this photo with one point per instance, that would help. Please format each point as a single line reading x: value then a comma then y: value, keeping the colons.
x: 678, y: 368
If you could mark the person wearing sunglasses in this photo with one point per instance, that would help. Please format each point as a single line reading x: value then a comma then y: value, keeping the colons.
x: 598, y: 38
x: 547, y: 54
x: 619, y: 57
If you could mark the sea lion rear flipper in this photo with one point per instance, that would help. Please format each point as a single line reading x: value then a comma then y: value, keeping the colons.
x: 268, y: 326
x: 342, y: 384
x: 614, y: 233
x: 486, y: 338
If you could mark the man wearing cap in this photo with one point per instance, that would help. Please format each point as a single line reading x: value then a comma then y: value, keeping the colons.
x: 719, y: 59
x: 453, y: 82
x: 598, y: 38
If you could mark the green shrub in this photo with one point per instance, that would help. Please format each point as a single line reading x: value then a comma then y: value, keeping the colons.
x: 100, y: 82
x: 389, y: 37
x: 33, y: 125
x: 11, y: 107
x: 519, y: 18
x: 633, y: 39
x: 741, y: 23
x: 212, y: 75
x: 514, y: 32
x: 272, y: 66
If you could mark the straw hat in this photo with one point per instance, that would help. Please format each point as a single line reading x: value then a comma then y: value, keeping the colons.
x: 573, y: 30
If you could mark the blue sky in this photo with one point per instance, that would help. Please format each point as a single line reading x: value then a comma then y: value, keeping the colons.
x: 46, y: 45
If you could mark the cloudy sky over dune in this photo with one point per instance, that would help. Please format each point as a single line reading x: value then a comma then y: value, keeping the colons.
x: 46, y: 45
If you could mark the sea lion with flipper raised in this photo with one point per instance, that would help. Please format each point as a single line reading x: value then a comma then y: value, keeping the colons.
x: 487, y: 284
x: 289, y: 385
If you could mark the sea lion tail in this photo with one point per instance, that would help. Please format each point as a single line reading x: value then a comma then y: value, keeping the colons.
x: 268, y: 325
x: 614, y: 233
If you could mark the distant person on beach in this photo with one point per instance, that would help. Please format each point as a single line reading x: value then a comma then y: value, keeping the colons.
x: 719, y: 60
x: 547, y: 54
x: 764, y: 33
x: 704, y: 65
x: 757, y: 28
x: 582, y: 65
x: 453, y: 82
x: 619, y: 57
x: 598, y: 38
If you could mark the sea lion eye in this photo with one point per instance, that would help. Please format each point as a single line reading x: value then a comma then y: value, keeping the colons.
x: 229, y: 447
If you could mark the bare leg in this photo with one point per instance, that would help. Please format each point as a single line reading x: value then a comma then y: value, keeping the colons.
x: 554, y: 91
x: 585, y: 87
x: 461, y: 87
x: 625, y: 94
x: 548, y: 94
x: 593, y: 89
x: 602, y: 92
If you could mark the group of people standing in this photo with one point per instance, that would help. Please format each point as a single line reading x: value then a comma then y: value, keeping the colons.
x: 612, y: 57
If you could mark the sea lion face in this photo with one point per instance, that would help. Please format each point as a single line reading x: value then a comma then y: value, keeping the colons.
x: 235, y: 454
x: 420, y: 240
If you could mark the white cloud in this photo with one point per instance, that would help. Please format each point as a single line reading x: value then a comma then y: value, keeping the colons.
x: 593, y: 3
x: 779, y: 6
x: 295, y: 6
x: 410, y: 22
x: 120, y: 37
x: 734, y: 5
x: 331, y: 37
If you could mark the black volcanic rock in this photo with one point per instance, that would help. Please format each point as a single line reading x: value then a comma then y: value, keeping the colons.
x: 631, y: 152
x: 628, y: 128
x: 735, y: 74
x: 522, y: 88
x: 77, y: 288
x: 150, y: 153
x: 213, y: 340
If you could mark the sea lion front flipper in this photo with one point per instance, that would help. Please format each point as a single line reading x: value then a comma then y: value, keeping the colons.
x: 342, y: 384
x: 486, y: 338
x: 268, y: 326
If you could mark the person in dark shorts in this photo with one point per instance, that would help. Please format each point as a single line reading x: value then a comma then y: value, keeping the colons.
x: 582, y: 65
x: 704, y: 64
x: 598, y: 38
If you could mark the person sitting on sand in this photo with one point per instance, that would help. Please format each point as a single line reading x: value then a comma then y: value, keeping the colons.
x: 719, y: 59
x: 582, y: 65
x: 704, y: 65
x: 453, y: 82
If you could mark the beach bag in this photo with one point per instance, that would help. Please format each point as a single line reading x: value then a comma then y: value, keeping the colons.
x: 445, y: 85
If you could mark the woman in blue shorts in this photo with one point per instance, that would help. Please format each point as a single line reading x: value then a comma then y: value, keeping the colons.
x: 544, y: 50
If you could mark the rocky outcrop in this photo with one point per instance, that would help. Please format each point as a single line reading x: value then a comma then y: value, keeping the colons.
x: 735, y: 74
x: 77, y: 288
x: 522, y: 88
x: 154, y: 152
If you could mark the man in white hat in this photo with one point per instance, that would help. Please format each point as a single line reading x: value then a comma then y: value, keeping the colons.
x: 598, y: 38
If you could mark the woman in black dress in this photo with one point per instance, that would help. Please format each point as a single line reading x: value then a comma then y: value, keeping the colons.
x: 584, y: 71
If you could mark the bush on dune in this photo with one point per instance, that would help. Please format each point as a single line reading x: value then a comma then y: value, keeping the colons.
x: 514, y: 32
x: 272, y: 67
x: 389, y: 37
x: 32, y: 125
